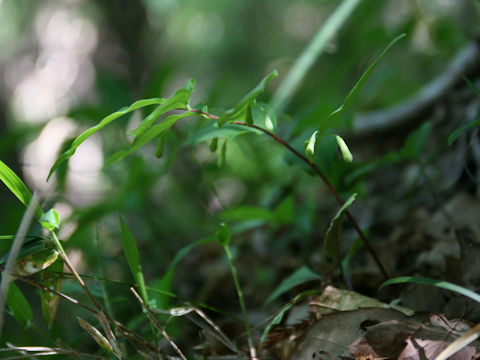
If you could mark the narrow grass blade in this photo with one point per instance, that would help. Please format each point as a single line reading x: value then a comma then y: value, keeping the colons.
x: 18, y: 305
x: 300, y: 276
x: 104, y: 122
x: 332, y: 118
x: 17, y: 187
x: 311, y: 53
x: 438, y: 283
x: 333, y: 236
x: 457, y: 132
x: 133, y: 259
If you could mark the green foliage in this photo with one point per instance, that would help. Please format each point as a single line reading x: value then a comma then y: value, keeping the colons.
x: 133, y: 259
x: 18, y: 305
x: 243, y: 110
x: 50, y: 220
x: 438, y: 283
x: 17, y: 187
x: 333, y: 237
x: 300, y: 276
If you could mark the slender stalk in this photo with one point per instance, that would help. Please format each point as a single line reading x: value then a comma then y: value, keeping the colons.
x: 72, y: 269
x: 14, y: 251
x: 317, y: 171
x: 241, y: 301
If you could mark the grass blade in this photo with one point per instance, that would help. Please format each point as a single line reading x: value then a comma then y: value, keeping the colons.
x: 300, y: 276
x: 18, y: 305
x: 333, y: 235
x: 438, y: 283
x: 330, y: 120
x: 133, y: 259
x: 17, y: 187
x: 104, y: 122
x: 311, y: 53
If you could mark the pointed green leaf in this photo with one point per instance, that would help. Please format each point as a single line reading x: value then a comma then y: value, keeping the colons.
x: 133, y: 259
x: 300, y: 276
x: 50, y: 220
x: 241, y: 111
x: 347, y: 155
x: 104, y: 122
x: 17, y: 187
x: 148, y: 135
x: 311, y: 145
x: 213, y: 144
x: 164, y: 284
x: 416, y: 141
x: 19, y: 305
x: 332, y: 118
x: 160, y: 145
x: 333, y: 236
x: 178, y: 100
x: 222, y: 154
x: 263, y: 117
x: 457, y: 132
x: 223, y: 235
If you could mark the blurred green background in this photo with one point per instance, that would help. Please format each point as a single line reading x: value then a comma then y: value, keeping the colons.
x: 65, y: 65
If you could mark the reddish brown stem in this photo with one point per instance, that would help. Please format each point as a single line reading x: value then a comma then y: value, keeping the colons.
x: 329, y: 186
x: 324, y: 179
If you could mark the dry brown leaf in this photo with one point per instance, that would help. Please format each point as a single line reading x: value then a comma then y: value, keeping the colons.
x: 333, y: 299
x: 333, y: 333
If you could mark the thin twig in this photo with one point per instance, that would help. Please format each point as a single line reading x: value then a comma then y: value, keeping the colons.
x: 157, y: 325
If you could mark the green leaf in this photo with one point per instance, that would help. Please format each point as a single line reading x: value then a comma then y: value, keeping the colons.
x: 148, y: 135
x: 227, y: 131
x: 164, y: 284
x: 333, y: 236
x: 416, y: 141
x: 178, y: 100
x: 160, y: 146
x: 311, y: 144
x: 438, y: 283
x: 133, y: 259
x: 263, y: 118
x: 277, y: 319
x: 223, y: 235
x: 104, y: 122
x: 222, y: 154
x: 285, y: 211
x: 332, y: 118
x: 346, y: 154
x: 50, y: 220
x: 19, y: 305
x: 457, y: 132
x: 17, y: 187
x: 300, y: 276
x: 241, y: 111
x: 246, y: 213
